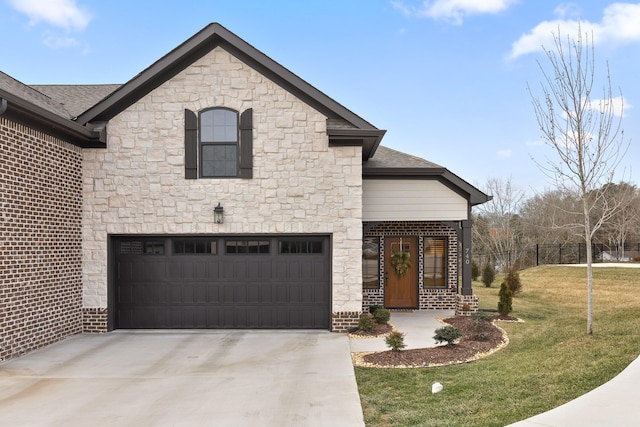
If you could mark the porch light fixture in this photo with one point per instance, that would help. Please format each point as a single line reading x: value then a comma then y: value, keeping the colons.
x: 218, y: 214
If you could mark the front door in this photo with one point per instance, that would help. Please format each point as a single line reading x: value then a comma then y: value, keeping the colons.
x: 401, y: 272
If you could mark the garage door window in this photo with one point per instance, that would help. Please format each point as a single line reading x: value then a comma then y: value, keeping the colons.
x: 142, y: 247
x: 300, y: 246
x: 195, y: 246
x: 247, y: 247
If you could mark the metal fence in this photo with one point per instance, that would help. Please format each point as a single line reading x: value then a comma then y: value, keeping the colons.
x: 569, y: 253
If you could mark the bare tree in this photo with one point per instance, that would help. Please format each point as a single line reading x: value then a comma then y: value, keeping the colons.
x: 584, y: 132
x: 497, y: 223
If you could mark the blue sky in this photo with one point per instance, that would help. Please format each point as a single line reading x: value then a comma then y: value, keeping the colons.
x: 447, y: 79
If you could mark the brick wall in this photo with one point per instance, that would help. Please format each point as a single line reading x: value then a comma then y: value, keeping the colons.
x: 428, y: 298
x: 40, y: 246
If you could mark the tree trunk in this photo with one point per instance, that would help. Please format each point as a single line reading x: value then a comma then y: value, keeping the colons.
x: 587, y: 237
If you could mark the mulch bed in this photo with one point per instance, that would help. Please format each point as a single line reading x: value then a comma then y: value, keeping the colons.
x: 378, y: 330
x: 467, y: 349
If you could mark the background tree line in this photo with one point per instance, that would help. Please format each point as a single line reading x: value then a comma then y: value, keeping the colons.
x: 507, y: 229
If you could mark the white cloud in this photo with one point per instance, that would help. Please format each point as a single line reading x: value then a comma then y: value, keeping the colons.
x: 59, y: 13
x: 505, y: 154
x: 619, y: 105
x: 453, y: 10
x: 620, y: 24
x: 55, y: 42
x: 536, y: 143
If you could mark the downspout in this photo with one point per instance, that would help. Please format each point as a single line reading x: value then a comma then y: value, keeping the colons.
x: 3, y: 106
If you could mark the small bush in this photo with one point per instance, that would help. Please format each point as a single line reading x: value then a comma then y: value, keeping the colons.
x: 373, y: 308
x: 475, y: 270
x: 382, y: 315
x: 479, y: 326
x: 488, y: 275
x: 395, y: 341
x: 366, y: 322
x: 513, y: 281
x: 504, y: 305
x: 448, y: 334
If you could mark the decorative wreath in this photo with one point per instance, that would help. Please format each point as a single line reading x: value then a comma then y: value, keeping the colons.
x: 401, y: 263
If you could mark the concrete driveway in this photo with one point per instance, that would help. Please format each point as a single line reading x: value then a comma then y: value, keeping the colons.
x: 167, y: 378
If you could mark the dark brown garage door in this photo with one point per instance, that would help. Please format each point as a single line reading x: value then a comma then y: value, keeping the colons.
x: 222, y: 282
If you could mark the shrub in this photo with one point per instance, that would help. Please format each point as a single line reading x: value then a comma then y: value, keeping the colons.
x: 382, y: 315
x: 373, y: 308
x: 366, y: 322
x: 475, y: 270
x: 513, y: 281
x: 504, y: 305
x: 488, y: 275
x: 479, y: 325
x: 448, y: 334
x: 395, y: 341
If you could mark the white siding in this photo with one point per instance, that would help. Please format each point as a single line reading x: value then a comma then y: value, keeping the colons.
x: 411, y: 200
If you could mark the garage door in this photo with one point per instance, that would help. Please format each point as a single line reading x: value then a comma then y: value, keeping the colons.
x: 222, y: 282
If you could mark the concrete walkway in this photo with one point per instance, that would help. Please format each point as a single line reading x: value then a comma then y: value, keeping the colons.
x: 614, y: 403
x: 184, y: 378
x: 418, y: 326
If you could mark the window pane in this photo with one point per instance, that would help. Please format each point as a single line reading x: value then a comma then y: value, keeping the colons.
x: 300, y: 246
x: 371, y: 262
x: 142, y: 247
x: 219, y: 125
x: 194, y: 246
x: 435, y: 262
x: 247, y: 246
x: 219, y: 160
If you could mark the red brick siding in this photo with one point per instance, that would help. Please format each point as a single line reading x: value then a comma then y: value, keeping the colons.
x: 41, y: 239
x: 428, y: 298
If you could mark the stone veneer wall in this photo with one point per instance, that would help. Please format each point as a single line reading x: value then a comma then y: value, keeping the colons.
x: 300, y: 184
x: 428, y: 298
x: 41, y: 246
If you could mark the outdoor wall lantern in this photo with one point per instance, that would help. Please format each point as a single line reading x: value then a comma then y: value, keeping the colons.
x: 218, y: 214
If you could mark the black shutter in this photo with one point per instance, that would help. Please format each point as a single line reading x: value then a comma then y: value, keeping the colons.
x: 246, y: 144
x: 190, y: 145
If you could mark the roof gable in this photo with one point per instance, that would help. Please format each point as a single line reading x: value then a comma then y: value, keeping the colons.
x: 214, y: 35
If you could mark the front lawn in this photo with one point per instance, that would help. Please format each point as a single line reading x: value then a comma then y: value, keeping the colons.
x: 549, y: 361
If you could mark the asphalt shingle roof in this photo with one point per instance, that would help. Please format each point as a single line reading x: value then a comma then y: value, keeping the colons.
x: 77, y: 99
x: 386, y: 157
x: 17, y: 88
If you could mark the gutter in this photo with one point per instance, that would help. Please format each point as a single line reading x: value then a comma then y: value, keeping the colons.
x: 33, y: 116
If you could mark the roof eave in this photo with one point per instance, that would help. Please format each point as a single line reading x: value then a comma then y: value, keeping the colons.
x: 29, y: 114
x: 368, y: 139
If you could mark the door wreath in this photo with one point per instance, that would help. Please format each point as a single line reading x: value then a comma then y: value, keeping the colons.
x: 401, y: 263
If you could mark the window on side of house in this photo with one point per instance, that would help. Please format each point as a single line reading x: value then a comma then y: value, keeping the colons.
x: 218, y: 143
x: 371, y: 262
x: 435, y: 262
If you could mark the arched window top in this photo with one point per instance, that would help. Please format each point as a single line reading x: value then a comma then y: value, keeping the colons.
x: 218, y: 125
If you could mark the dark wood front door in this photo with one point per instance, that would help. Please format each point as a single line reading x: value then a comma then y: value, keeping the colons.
x: 401, y: 272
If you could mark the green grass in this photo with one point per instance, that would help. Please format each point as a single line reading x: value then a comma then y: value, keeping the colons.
x: 549, y: 361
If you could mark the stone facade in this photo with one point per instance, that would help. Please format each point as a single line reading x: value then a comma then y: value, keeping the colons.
x: 299, y: 185
x: 41, y: 250
x: 428, y: 298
